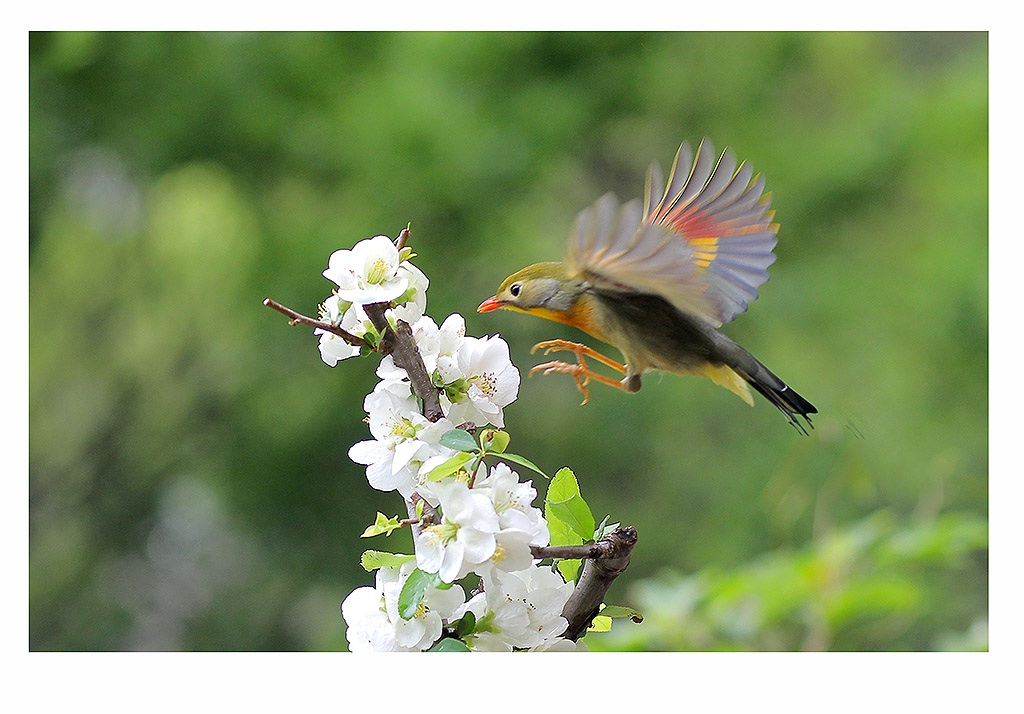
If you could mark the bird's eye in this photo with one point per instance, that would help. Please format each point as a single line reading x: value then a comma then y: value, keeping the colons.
x: 515, y: 289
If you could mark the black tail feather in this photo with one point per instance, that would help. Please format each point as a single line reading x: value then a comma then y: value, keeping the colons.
x: 791, y: 404
x: 786, y: 400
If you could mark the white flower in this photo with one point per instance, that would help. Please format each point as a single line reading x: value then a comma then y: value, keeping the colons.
x: 437, y: 347
x: 518, y: 610
x: 513, y: 501
x: 499, y: 622
x: 427, y: 338
x: 350, y: 318
x: 403, y: 439
x: 368, y: 273
x: 423, y: 629
x: 489, y: 382
x: 464, y: 539
x: 427, y: 488
x: 522, y: 525
x: 371, y: 272
x: 511, y: 551
x: 450, y: 337
x: 413, y: 302
x: 560, y: 644
x: 546, y: 595
x: 370, y: 628
x: 375, y: 625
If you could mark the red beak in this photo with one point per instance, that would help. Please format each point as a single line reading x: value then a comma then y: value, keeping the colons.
x: 491, y: 303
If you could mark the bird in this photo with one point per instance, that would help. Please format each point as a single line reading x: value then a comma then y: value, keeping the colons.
x: 656, y: 279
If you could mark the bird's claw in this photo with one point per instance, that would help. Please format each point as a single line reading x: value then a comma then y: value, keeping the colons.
x: 580, y: 351
x: 579, y: 373
x: 550, y: 346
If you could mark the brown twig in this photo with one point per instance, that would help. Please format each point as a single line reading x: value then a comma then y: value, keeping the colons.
x: 298, y: 318
x: 607, y: 547
x: 400, y: 344
x: 605, y: 560
x: 429, y: 516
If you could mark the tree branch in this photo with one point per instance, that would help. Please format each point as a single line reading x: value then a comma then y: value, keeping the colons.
x: 400, y: 344
x: 298, y: 318
x: 416, y: 522
x: 607, y: 547
x: 606, y: 560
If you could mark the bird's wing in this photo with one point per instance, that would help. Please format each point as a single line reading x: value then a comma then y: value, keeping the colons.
x: 704, y: 243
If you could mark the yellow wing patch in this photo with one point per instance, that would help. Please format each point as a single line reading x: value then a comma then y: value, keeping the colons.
x: 705, y: 250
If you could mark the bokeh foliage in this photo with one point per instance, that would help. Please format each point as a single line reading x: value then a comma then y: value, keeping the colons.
x: 189, y: 484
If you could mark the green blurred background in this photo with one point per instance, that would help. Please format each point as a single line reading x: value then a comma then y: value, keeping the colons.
x: 189, y: 484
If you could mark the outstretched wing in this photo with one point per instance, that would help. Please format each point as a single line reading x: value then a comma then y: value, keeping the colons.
x: 703, y: 243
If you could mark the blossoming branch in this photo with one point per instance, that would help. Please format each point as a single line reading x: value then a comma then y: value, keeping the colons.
x: 471, y: 520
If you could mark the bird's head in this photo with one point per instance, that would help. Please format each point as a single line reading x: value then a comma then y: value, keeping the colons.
x: 543, y: 289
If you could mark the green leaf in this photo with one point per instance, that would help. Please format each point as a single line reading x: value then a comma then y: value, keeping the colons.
x: 456, y: 391
x: 570, y: 569
x: 373, y: 559
x: 382, y: 524
x: 600, y: 624
x: 413, y: 591
x: 565, y: 505
x: 450, y: 466
x: 564, y: 486
x: 570, y: 521
x: 605, y: 528
x: 372, y: 338
x: 620, y: 611
x: 459, y: 439
x: 405, y: 297
x: 494, y: 441
x: 466, y: 624
x: 561, y: 533
x: 449, y: 644
x: 522, y: 461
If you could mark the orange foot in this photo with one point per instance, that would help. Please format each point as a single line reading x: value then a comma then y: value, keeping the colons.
x: 580, y: 372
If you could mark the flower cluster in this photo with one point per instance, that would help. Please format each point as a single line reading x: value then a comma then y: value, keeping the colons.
x: 486, y: 524
x: 372, y: 272
x: 516, y: 611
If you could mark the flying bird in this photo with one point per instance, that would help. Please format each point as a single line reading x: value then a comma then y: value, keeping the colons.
x: 657, y: 278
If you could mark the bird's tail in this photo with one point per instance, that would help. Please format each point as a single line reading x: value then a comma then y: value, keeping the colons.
x: 745, y: 372
x: 738, y: 368
x: 785, y: 399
